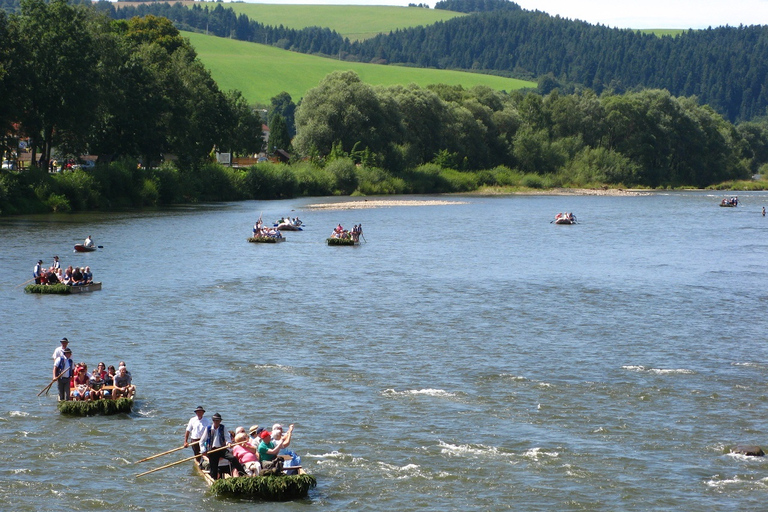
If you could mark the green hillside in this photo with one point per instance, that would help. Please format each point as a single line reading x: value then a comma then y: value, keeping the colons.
x: 352, y: 21
x: 261, y: 72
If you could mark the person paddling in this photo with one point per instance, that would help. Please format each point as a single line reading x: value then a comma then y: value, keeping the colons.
x: 88, y: 242
x: 62, y: 369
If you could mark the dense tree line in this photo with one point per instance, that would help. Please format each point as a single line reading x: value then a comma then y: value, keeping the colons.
x: 726, y: 67
x: 75, y: 80
x: 648, y: 138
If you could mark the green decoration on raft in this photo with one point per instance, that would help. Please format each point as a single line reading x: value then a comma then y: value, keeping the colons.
x: 341, y: 241
x: 263, y: 239
x: 48, y: 288
x: 270, y: 487
x: 93, y: 407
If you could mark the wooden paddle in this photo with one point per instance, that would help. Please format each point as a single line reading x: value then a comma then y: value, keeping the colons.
x: 48, y: 387
x: 25, y: 282
x: 165, y: 453
x: 188, y: 459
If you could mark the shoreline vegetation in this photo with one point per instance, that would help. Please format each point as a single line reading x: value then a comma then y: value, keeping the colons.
x: 123, y: 186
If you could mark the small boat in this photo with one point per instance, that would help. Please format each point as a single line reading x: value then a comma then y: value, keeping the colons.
x: 62, y: 289
x: 269, y: 488
x: 266, y: 239
x: 565, y: 218
x: 82, y: 248
x: 288, y: 227
x: 729, y: 203
x: 342, y: 241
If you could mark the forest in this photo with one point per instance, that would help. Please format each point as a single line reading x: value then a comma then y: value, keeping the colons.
x: 725, y: 67
x: 134, y: 93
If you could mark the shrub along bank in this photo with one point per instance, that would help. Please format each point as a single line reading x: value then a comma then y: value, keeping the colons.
x: 123, y: 184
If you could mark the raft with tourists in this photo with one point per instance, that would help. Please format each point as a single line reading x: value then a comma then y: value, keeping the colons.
x: 266, y: 239
x: 63, y: 289
x: 732, y: 202
x: 341, y: 236
x: 102, y: 406
x: 268, y: 487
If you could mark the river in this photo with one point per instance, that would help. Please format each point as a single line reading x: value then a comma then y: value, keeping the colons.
x: 467, y: 356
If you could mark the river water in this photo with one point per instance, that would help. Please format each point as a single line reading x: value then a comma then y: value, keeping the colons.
x: 467, y: 356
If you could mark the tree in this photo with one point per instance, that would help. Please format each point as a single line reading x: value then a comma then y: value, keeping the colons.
x: 342, y: 108
x: 283, y: 105
x: 278, y: 134
x: 59, y: 75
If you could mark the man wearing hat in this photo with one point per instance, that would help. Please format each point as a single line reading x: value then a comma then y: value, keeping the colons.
x: 56, y: 264
x: 62, y: 370
x: 37, y: 272
x: 214, y: 437
x: 195, y: 428
x: 59, y: 352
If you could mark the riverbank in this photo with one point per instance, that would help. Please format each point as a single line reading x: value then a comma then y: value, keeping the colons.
x: 559, y: 191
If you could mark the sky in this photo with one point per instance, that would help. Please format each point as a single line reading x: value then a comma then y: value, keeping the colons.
x: 620, y: 13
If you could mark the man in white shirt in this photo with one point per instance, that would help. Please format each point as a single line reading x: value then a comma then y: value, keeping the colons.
x: 195, y: 428
x: 59, y: 352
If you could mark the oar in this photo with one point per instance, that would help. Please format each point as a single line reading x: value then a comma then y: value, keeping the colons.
x: 48, y: 387
x: 25, y: 282
x: 100, y: 246
x: 364, y: 240
x: 165, y: 453
x: 187, y: 459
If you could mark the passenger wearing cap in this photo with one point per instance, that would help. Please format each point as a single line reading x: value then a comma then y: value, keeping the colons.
x: 59, y: 352
x: 55, y: 265
x: 194, y: 431
x: 62, y: 370
x: 214, y: 437
x: 268, y: 449
x: 253, y: 435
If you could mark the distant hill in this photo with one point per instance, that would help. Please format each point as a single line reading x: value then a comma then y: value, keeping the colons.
x: 725, y: 67
x: 261, y: 71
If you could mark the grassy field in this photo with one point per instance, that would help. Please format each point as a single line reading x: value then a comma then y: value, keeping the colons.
x: 663, y: 31
x: 262, y: 72
x: 353, y: 21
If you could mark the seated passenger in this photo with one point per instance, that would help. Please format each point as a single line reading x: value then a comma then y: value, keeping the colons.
x: 123, y: 386
x: 87, y: 275
x: 82, y: 388
x: 246, y: 454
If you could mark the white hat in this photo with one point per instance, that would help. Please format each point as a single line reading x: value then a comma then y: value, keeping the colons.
x: 277, y: 426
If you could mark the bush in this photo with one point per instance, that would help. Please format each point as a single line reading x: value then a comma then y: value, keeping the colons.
x: 270, y: 181
x: 58, y: 203
x: 532, y: 181
x: 376, y: 181
x: 312, y: 180
x: 80, y: 189
x: 344, y: 170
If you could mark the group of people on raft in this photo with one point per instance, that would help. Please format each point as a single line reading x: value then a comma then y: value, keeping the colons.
x: 257, y: 451
x: 733, y: 201
x: 75, y: 382
x: 566, y: 216
x: 71, y: 276
x: 354, y: 234
x: 259, y: 229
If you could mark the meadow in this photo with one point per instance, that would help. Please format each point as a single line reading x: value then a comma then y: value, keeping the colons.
x: 260, y: 72
x: 356, y: 22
